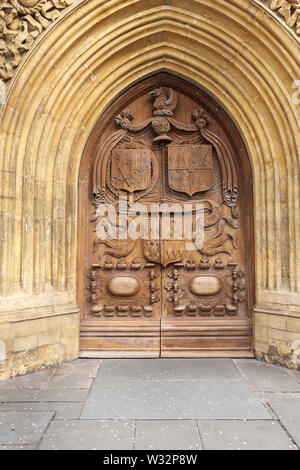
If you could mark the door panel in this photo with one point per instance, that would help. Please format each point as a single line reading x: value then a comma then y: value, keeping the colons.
x: 165, y: 266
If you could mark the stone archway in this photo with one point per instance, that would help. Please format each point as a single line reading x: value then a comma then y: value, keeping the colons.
x: 240, y: 53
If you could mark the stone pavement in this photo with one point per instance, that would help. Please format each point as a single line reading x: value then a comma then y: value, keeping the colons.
x: 152, y: 404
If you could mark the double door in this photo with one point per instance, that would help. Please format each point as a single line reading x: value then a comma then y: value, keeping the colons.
x: 165, y: 229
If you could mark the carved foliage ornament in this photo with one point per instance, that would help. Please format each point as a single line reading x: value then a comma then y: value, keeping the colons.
x: 21, y: 22
x: 289, y: 10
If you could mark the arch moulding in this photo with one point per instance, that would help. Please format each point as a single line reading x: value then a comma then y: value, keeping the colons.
x: 238, y: 52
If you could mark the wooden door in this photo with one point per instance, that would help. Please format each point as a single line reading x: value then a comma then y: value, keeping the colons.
x: 165, y: 266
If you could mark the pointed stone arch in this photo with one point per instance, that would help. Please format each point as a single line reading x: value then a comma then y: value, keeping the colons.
x: 237, y: 52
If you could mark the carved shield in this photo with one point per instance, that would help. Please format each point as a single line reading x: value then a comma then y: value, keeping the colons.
x: 190, y: 168
x: 151, y: 249
x: 164, y: 252
x: 131, y: 169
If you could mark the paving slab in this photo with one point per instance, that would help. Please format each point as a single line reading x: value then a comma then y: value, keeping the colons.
x: 173, y: 400
x: 288, y: 412
x: 167, y: 435
x: 244, y: 435
x: 32, y: 447
x: 68, y: 395
x: 82, y: 367
x: 89, y: 435
x: 30, y: 395
x: 295, y: 374
x: 265, y: 377
x: 31, y: 381
x: 168, y: 369
x: 266, y: 396
x: 270, y: 410
x: 17, y: 427
x: 18, y: 394
x: 62, y: 410
x: 70, y: 381
x: 95, y: 404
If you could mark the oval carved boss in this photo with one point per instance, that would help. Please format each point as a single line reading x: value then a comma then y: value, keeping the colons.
x: 205, y: 285
x: 123, y: 286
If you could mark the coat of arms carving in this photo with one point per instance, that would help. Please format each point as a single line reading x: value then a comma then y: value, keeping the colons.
x: 190, y: 168
x: 131, y: 169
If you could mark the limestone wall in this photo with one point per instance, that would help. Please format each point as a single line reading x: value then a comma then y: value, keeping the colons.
x: 31, y: 343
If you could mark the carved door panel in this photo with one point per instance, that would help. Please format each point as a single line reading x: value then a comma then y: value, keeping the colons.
x: 165, y: 266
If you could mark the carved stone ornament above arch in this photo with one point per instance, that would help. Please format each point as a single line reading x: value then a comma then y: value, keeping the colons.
x: 287, y: 10
x: 23, y: 21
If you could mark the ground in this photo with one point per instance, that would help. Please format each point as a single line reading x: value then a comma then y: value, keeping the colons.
x: 152, y: 404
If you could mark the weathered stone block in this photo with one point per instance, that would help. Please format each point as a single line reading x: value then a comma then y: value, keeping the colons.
x: 25, y: 343
x: 51, y: 337
x: 293, y: 325
x: 285, y: 336
x: 20, y: 363
x: 260, y: 332
x: 275, y: 321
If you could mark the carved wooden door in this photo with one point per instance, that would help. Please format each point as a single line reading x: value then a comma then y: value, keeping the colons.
x: 165, y: 266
